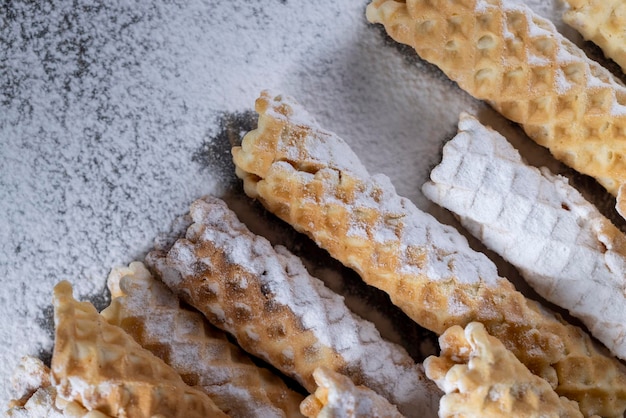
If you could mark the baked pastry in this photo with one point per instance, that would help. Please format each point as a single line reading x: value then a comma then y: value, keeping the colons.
x: 100, y: 367
x: 602, y: 22
x: 309, y: 177
x: 149, y: 312
x: 563, y: 246
x: 481, y: 378
x: 266, y: 299
x: 338, y: 397
x: 501, y: 52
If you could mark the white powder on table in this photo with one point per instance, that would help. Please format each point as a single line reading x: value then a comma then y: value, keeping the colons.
x: 103, y: 109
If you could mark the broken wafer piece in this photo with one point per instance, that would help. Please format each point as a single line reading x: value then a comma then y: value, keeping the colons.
x: 148, y: 311
x: 563, y: 246
x: 264, y: 296
x: 338, y: 397
x: 309, y: 177
x: 602, y: 22
x: 501, y: 52
x: 481, y: 378
x: 34, y: 395
x: 102, y: 368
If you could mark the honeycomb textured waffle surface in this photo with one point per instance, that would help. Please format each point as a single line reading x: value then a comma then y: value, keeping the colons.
x: 427, y: 268
x: 148, y: 311
x: 570, y: 253
x: 265, y: 297
x: 481, y: 378
x: 337, y: 396
x: 602, y: 22
x: 99, y: 366
x: 503, y: 53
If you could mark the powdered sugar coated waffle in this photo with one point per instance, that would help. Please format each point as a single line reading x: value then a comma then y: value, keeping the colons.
x: 264, y: 296
x: 569, y: 253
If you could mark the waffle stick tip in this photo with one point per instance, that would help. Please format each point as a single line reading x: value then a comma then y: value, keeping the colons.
x: 562, y: 245
x: 481, y: 378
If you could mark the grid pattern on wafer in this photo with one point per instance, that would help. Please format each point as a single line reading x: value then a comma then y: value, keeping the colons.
x: 264, y: 296
x: 101, y: 367
x: 148, y: 311
x: 362, y: 222
x: 563, y: 246
x: 501, y: 52
x: 602, y: 22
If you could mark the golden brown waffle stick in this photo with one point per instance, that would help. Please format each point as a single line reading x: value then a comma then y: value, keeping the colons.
x: 501, y: 52
x: 149, y: 312
x: 311, y: 179
x: 266, y: 299
x: 102, y: 368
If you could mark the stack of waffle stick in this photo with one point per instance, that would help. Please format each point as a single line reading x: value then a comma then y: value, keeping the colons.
x: 502, y: 354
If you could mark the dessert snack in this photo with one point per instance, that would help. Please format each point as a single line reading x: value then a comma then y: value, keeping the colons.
x: 309, y: 177
x: 501, y: 52
x: 481, y: 378
x: 265, y: 297
x: 148, y: 311
x: 602, y: 22
x: 567, y: 251
x: 102, y: 368
x: 337, y: 396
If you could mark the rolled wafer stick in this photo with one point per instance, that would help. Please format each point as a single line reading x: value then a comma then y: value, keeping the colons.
x: 563, y: 246
x: 100, y: 367
x: 308, y: 177
x: 481, y: 378
x: 148, y: 311
x: 264, y: 296
x: 602, y: 22
x: 337, y: 396
x: 501, y: 52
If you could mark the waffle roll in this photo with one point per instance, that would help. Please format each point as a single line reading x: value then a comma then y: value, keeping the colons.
x: 501, y: 52
x: 148, y: 311
x: 100, y: 367
x: 602, y: 22
x: 266, y: 299
x: 481, y: 378
x: 563, y: 246
x: 337, y: 396
x: 309, y: 177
